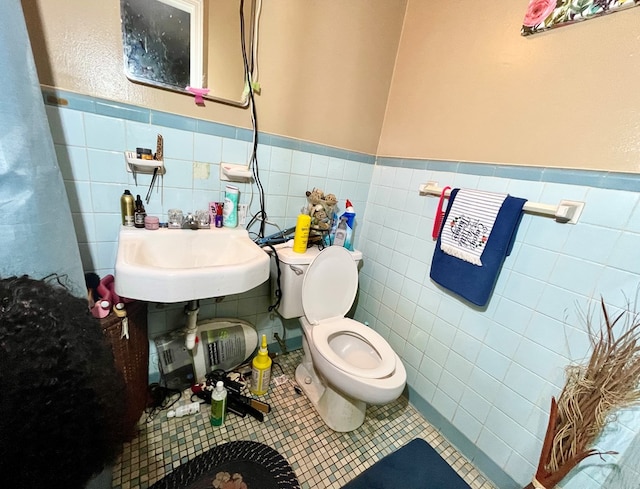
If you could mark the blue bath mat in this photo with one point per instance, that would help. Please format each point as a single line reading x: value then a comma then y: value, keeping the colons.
x: 414, y: 466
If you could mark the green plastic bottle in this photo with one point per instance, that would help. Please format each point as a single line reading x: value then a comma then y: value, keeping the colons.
x: 218, y: 404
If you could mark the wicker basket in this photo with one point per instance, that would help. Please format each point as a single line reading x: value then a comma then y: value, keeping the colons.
x: 131, y: 358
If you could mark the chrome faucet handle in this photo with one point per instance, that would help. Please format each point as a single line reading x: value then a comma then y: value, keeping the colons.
x: 190, y: 221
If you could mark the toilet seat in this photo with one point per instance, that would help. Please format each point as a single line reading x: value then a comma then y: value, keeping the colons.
x: 330, y: 285
x: 328, y: 290
x: 323, y: 332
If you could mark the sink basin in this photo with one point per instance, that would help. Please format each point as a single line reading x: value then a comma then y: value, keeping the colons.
x: 176, y: 265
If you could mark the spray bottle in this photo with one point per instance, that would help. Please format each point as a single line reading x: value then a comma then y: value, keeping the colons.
x: 341, y: 233
x: 261, y: 370
x: 127, y: 209
x: 344, y: 234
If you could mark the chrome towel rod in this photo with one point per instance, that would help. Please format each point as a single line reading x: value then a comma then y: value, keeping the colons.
x: 567, y: 211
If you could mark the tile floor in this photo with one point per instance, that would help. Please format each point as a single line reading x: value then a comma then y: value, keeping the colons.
x: 320, y: 457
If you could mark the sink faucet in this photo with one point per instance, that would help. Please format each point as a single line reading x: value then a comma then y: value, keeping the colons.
x: 190, y: 222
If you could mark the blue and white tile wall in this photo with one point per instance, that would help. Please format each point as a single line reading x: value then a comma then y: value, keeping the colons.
x: 490, y: 372
x: 484, y: 376
x: 90, y: 138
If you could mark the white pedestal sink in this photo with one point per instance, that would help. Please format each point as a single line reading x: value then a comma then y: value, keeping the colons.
x: 176, y: 265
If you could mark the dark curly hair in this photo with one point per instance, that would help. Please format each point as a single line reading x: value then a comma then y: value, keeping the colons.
x: 61, y: 397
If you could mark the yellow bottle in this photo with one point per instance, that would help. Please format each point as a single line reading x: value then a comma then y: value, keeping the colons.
x: 261, y: 370
x: 301, y: 237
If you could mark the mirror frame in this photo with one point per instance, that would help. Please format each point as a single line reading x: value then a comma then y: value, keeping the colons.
x: 198, y: 52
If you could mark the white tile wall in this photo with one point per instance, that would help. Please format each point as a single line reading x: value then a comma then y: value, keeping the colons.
x: 489, y: 371
x: 90, y: 150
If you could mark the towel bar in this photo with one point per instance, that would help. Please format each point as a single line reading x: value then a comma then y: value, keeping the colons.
x: 567, y: 211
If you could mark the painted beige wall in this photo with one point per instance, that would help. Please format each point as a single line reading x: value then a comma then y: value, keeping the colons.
x: 325, y: 67
x: 468, y: 87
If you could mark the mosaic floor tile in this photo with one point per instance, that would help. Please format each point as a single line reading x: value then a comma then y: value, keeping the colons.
x: 321, y: 458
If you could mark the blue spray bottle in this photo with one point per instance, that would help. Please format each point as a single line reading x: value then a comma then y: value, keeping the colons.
x: 350, y: 216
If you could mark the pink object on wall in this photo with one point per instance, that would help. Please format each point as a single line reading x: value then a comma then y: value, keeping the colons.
x: 199, y: 93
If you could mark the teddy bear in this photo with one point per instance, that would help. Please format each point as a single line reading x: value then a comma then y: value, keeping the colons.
x: 330, y: 200
x: 315, y: 198
x: 321, y: 209
x: 320, y: 220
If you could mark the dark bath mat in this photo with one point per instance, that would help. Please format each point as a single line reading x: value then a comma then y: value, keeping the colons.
x: 259, y: 466
x: 414, y: 466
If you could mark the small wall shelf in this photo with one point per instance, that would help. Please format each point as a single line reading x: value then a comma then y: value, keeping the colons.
x: 230, y: 172
x: 138, y: 165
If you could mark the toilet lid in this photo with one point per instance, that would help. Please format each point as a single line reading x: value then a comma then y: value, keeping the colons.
x: 322, y: 337
x: 330, y: 284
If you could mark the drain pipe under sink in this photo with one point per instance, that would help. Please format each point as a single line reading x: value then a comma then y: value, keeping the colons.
x: 191, y: 310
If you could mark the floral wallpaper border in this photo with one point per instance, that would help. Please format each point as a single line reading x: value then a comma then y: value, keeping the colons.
x: 542, y: 15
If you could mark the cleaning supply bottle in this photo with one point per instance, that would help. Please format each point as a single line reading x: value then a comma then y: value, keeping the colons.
x: 341, y: 233
x: 301, y: 236
x: 127, y: 209
x: 218, y: 404
x: 261, y: 370
x: 350, y: 216
x: 139, y: 213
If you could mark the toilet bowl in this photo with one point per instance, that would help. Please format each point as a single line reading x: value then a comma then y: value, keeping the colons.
x: 346, y: 364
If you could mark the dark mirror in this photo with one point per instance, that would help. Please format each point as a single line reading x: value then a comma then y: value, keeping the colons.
x: 173, y: 44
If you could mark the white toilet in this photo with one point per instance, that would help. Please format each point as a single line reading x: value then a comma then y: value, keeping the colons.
x: 346, y: 364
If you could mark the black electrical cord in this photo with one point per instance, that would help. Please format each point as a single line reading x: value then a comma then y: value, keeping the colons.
x: 161, y: 398
x: 278, y: 291
x: 276, y: 364
x: 262, y: 214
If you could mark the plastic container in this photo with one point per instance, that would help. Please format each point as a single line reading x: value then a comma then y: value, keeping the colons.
x: 139, y: 213
x: 127, y: 208
x: 222, y: 344
x: 186, y: 410
x: 151, y: 222
x: 261, y: 370
x: 350, y: 216
x: 144, y: 153
x: 230, y: 211
x: 218, y: 404
x: 101, y: 309
x: 301, y: 236
x: 341, y: 233
x: 219, y: 219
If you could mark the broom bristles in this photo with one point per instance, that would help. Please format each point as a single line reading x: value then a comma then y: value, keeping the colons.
x: 593, y: 392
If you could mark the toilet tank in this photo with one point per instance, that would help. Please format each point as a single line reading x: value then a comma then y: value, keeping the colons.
x: 293, y: 266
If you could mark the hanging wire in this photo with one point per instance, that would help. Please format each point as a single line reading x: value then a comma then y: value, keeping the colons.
x: 261, y: 215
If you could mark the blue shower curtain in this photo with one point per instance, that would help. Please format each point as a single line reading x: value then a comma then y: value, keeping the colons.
x: 37, y: 236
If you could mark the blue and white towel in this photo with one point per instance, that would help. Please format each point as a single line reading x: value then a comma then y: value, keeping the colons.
x: 471, y: 282
x: 469, y: 224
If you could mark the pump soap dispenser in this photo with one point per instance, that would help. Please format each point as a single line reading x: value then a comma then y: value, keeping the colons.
x: 261, y: 370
